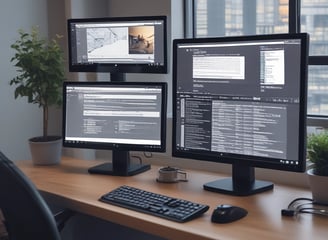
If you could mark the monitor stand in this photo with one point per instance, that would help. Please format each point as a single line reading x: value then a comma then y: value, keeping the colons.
x: 120, y: 166
x: 242, y: 183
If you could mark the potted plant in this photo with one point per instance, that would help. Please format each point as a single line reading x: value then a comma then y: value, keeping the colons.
x: 317, y: 152
x: 40, y: 77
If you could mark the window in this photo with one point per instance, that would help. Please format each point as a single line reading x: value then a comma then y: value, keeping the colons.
x: 237, y: 17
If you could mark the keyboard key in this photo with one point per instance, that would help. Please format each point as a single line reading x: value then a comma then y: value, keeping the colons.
x: 173, y: 209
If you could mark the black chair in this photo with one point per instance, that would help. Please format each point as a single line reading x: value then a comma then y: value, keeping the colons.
x: 26, y: 214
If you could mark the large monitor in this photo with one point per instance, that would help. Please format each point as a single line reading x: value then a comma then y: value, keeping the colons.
x: 116, y: 116
x: 118, y: 45
x: 241, y: 101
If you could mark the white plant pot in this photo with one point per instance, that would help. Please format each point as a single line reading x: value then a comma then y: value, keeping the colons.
x: 46, y: 153
x: 318, y: 185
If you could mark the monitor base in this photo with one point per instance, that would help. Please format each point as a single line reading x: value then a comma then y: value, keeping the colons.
x: 107, y: 169
x: 225, y: 186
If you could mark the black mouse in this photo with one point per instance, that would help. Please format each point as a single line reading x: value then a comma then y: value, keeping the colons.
x: 227, y: 213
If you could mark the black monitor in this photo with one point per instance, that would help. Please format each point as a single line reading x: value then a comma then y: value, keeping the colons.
x: 242, y: 101
x: 121, y: 117
x: 118, y: 45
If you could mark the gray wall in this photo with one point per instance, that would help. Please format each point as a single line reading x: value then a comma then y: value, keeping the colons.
x: 85, y: 227
x: 18, y: 120
x: 173, y: 9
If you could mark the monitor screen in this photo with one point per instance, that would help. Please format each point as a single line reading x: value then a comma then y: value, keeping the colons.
x: 115, y: 116
x: 241, y: 101
x: 118, y: 45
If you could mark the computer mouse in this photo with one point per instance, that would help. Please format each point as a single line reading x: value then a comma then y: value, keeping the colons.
x: 225, y: 213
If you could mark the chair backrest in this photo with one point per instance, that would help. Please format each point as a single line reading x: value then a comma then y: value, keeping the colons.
x: 27, y: 215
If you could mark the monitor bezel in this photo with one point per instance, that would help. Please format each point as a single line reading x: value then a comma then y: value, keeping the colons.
x: 248, y: 161
x: 118, y: 67
x: 119, y: 146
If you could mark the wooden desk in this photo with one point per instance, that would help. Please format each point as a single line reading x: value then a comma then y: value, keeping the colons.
x: 70, y: 185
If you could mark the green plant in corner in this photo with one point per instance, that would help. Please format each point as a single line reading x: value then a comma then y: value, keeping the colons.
x: 317, y: 151
x: 41, y: 72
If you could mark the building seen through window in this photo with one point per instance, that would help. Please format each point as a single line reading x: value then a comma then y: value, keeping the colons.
x: 215, y: 18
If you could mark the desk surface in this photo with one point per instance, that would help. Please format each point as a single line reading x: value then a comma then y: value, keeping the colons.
x: 70, y: 185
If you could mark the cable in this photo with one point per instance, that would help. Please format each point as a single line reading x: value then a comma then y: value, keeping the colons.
x: 299, y: 205
x: 299, y: 199
x: 138, y: 158
x: 148, y: 154
x: 318, y: 211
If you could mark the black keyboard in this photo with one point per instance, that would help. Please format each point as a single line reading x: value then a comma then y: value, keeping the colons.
x: 174, y: 209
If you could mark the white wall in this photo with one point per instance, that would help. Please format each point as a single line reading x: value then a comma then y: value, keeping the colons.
x: 18, y: 120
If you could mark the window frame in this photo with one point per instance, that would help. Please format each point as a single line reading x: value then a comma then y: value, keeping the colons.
x: 294, y: 25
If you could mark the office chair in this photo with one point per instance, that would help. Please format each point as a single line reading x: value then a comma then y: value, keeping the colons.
x: 26, y: 214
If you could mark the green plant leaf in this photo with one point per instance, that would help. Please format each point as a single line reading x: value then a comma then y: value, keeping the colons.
x: 40, y: 70
x: 317, y: 151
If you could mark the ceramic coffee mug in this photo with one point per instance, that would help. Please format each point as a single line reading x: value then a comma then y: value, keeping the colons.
x: 171, y: 175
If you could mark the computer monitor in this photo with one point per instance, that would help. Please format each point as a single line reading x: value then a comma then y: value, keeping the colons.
x: 242, y: 101
x: 116, y: 116
x: 118, y: 45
